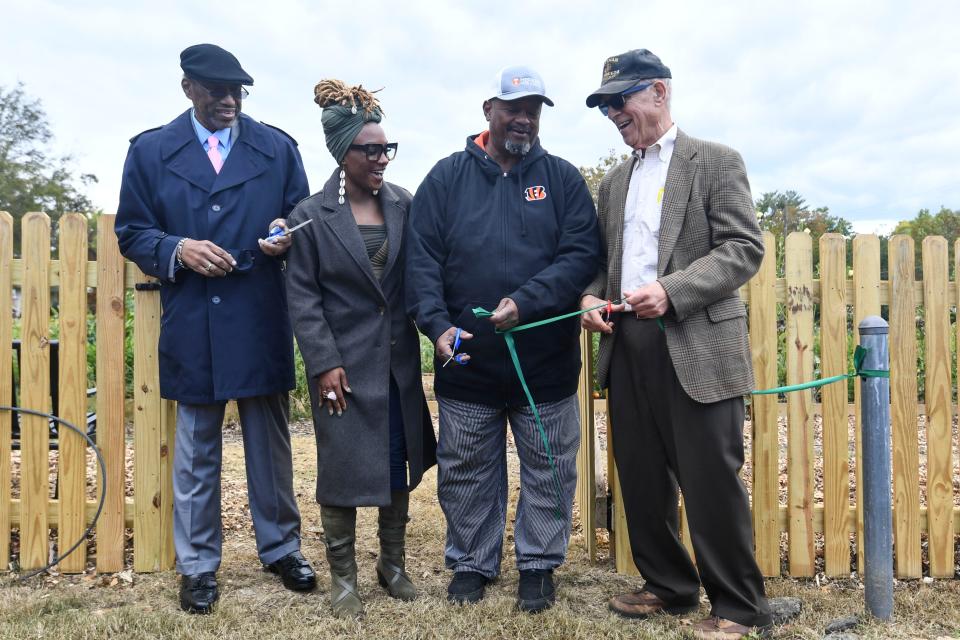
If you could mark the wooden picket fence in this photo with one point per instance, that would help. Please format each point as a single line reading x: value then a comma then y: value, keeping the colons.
x: 35, y: 513
x: 836, y: 518
x: 803, y: 517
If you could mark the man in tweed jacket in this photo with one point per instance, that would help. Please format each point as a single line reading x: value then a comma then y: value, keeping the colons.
x: 681, y: 237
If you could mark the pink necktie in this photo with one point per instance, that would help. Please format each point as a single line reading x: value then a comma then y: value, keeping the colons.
x: 213, y: 152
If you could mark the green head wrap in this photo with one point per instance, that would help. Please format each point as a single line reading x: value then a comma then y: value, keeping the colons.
x: 342, y: 124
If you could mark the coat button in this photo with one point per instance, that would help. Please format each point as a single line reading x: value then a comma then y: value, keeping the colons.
x: 393, y: 343
x: 380, y: 310
x: 215, y: 207
x: 215, y: 299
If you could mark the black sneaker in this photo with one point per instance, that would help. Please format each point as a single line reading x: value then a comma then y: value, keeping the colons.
x: 536, y: 591
x: 466, y: 587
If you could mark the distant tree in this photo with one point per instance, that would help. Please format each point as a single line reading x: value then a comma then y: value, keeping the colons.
x: 945, y: 222
x: 31, y: 177
x: 784, y: 213
x: 594, y: 175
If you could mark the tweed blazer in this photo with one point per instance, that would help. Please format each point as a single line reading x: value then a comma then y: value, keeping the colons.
x: 709, y: 245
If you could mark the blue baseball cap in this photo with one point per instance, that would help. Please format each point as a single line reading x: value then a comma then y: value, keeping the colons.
x: 513, y: 83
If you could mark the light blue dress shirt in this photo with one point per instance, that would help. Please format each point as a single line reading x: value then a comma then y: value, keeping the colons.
x: 226, y: 140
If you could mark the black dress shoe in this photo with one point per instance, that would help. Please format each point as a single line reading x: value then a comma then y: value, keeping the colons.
x: 295, y: 571
x: 198, y: 592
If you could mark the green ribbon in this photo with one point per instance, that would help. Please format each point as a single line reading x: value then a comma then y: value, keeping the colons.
x: 859, y: 354
x: 480, y: 312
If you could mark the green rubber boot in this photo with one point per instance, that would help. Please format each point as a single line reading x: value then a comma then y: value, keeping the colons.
x: 390, y: 566
x: 339, y: 527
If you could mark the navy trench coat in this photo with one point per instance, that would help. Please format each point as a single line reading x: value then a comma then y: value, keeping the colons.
x: 220, y: 338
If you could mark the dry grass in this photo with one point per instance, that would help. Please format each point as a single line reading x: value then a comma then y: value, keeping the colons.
x: 254, y: 604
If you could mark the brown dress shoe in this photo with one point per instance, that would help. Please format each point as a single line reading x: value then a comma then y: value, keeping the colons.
x: 643, y: 603
x: 716, y: 628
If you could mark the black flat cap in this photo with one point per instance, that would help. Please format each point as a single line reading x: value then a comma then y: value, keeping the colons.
x: 213, y: 64
x: 625, y: 71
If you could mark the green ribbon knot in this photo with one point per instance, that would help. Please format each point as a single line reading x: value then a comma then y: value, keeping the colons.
x: 859, y: 355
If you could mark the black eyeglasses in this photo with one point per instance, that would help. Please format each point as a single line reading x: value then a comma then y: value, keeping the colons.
x: 617, y: 101
x: 221, y: 91
x: 373, y: 151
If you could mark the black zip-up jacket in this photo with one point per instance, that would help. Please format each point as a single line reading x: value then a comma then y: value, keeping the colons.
x: 477, y: 235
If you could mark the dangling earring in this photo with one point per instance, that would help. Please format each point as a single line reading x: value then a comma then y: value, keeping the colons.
x: 376, y: 191
x: 343, y: 182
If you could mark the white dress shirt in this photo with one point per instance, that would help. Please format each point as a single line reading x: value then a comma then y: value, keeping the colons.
x: 641, y: 212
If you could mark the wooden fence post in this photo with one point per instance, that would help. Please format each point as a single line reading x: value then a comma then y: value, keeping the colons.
x: 799, y: 318
x: 937, y: 396
x: 110, y: 393
x: 903, y: 406
x: 35, y: 391
x: 73, y: 388
x: 586, y: 482
x: 147, y: 429
x: 766, y: 446
x: 866, y: 287
x: 836, y: 426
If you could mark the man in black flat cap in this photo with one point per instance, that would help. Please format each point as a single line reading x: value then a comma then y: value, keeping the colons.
x: 681, y: 237
x: 197, y: 198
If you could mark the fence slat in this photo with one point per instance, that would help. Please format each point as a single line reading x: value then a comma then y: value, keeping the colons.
x: 685, y: 536
x: 939, y: 407
x: 35, y: 391
x: 73, y: 387
x: 903, y: 406
x: 586, y: 483
x: 866, y: 302
x: 6, y: 379
x: 147, y: 428
x: 110, y: 391
x: 764, y: 410
x: 168, y: 425
x: 623, y: 556
x: 799, y: 318
x: 836, y: 427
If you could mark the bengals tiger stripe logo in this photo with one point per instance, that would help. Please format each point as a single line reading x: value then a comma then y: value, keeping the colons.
x: 535, y: 193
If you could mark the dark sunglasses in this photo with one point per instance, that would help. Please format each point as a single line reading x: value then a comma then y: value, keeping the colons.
x: 373, y: 151
x: 221, y: 91
x: 617, y: 101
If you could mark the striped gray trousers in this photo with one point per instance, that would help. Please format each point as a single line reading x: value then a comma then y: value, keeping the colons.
x: 472, y: 483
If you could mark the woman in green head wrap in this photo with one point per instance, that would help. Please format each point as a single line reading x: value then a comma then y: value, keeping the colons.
x: 361, y: 351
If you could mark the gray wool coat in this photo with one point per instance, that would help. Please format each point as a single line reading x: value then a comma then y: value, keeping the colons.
x: 344, y: 317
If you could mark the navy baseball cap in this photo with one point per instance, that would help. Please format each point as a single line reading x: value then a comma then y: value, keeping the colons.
x: 513, y: 83
x: 213, y: 64
x: 625, y: 71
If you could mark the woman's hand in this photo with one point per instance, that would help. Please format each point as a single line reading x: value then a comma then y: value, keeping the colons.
x: 332, y: 385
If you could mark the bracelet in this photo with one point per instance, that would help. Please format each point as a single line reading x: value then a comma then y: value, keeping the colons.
x: 179, y: 252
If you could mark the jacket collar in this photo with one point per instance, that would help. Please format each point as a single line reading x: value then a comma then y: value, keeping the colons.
x: 676, y: 193
x: 491, y: 168
x: 341, y: 221
x: 249, y: 157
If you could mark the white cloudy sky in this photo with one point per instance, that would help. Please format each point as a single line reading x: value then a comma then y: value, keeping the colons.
x: 856, y: 105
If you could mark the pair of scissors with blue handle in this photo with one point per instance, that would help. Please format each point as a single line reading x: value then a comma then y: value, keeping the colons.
x: 278, y: 232
x: 458, y: 357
